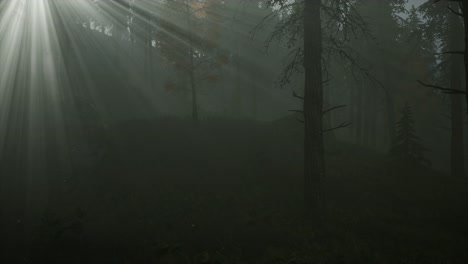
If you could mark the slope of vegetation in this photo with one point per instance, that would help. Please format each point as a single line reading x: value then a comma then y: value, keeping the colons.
x: 230, y: 192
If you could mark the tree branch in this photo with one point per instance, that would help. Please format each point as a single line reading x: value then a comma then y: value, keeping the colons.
x: 443, y: 89
x: 333, y: 108
x: 297, y: 111
x: 455, y: 12
x: 342, y: 125
x: 297, y: 96
x: 451, y: 52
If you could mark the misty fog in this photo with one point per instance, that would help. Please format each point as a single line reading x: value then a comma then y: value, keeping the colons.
x: 233, y: 131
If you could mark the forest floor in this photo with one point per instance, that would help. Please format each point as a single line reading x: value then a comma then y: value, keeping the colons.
x: 231, y: 192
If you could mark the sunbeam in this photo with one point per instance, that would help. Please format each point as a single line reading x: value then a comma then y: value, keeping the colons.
x: 52, y: 98
x: 233, y: 131
x: 32, y: 125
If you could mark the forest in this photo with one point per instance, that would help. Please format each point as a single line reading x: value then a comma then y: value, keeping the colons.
x: 233, y: 131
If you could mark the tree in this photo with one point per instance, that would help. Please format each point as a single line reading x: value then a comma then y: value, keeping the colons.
x: 445, y: 27
x: 190, y: 44
x: 462, y: 12
x: 407, y: 146
x: 314, y: 167
x: 303, y: 21
x: 457, y: 153
x: 383, y: 54
x: 307, y: 17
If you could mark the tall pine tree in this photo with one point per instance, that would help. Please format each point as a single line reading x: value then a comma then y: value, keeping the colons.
x: 407, y: 147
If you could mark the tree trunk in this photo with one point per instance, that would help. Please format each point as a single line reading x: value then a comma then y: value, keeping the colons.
x: 191, y: 66
x: 352, y: 113
x: 193, y: 87
x: 456, y: 82
x: 254, y: 99
x: 391, y: 121
x: 465, y: 23
x: 147, y: 50
x: 367, y: 112
x: 373, y: 113
x: 237, y: 93
x: 457, y: 145
x: 359, y: 115
x: 314, y: 162
x: 327, y: 119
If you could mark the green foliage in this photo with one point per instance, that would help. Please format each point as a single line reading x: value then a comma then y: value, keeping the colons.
x: 407, y: 146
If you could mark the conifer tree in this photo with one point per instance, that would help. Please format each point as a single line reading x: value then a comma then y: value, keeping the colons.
x: 407, y: 146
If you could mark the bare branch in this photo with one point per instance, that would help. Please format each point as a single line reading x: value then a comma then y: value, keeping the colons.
x: 443, y: 89
x: 297, y: 111
x: 297, y: 96
x: 333, y: 108
x: 450, y: 52
x: 342, y: 125
x: 455, y: 12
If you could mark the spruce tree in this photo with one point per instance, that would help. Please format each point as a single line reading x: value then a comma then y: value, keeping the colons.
x: 407, y: 147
